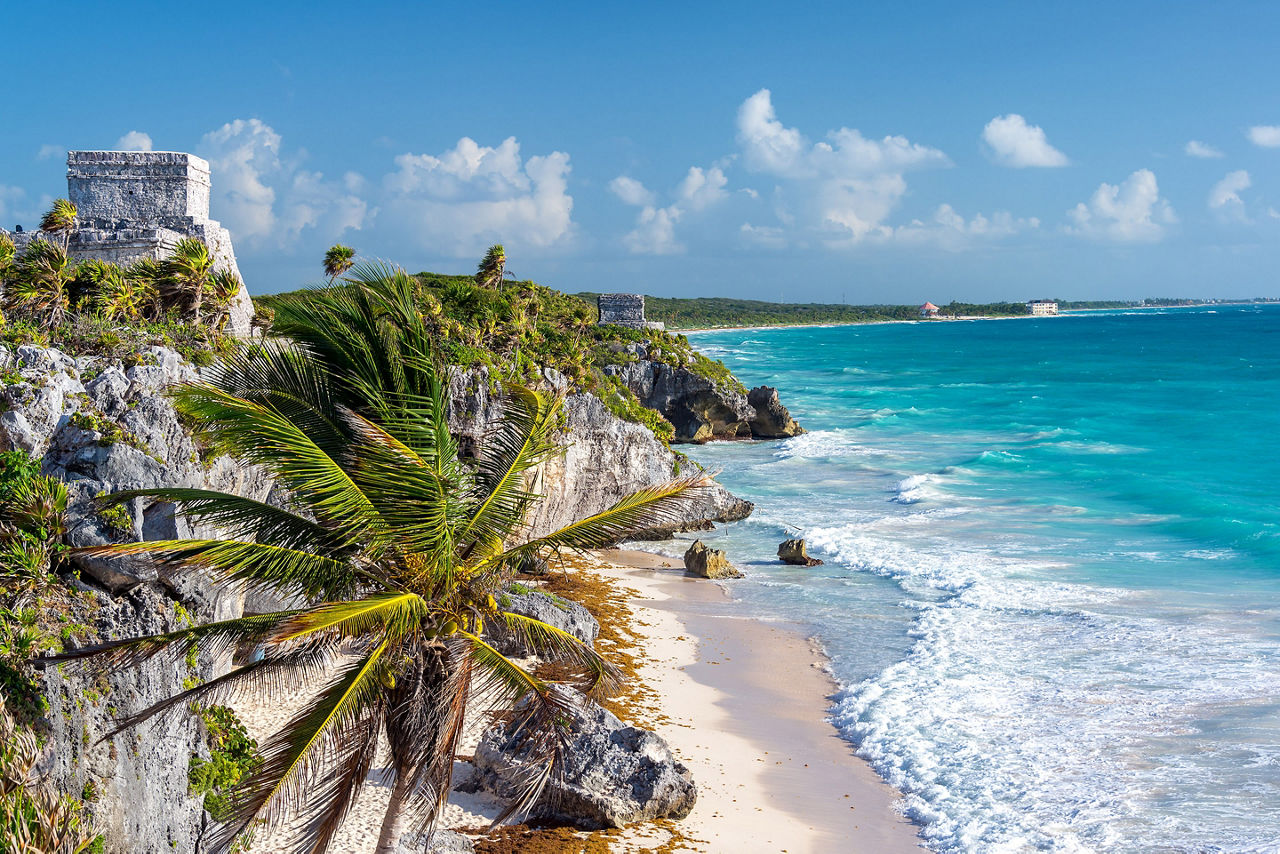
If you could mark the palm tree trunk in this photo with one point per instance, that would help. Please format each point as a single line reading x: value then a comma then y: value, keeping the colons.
x: 396, y: 821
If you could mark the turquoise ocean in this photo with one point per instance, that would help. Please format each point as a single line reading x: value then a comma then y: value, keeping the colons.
x: 1051, y: 594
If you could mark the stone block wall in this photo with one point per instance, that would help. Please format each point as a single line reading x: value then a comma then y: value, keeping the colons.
x: 138, y: 187
x: 622, y: 310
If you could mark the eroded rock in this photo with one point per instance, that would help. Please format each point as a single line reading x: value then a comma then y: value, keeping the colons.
x: 706, y: 562
x: 555, y: 611
x: 795, y: 552
x: 615, y: 774
x: 771, y: 420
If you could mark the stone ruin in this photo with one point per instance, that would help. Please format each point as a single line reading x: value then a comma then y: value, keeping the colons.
x: 138, y: 204
x: 624, y: 310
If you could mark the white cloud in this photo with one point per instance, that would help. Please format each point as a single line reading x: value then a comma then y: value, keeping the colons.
x: 13, y: 206
x: 134, y: 140
x: 1018, y: 144
x: 49, y: 150
x: 950, y: 230
x: 1224, y: 197
x: 655, y: 232
x: 701, y: 189
x: 1265, y: 136
x: 1196, y: 148
x: 472, y: 195
x: 267, y: 199
x: 843, y: 188
x: 655, y: 229
x: 1131, y: 212
x: 767, y: 236
x: 631, y: 191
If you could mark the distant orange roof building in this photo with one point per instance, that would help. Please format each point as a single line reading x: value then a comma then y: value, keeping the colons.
x: 928, y: 310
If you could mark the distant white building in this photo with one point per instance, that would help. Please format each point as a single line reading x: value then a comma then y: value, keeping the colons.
x: 928, y: 310
x: 1042, y: 307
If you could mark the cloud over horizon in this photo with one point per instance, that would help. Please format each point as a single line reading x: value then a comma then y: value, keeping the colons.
x: 1016, y: 144
x: 1264, y: 136
x: 1224, y: 197
x: 461, y: 200
x: 134, y: 140
x: 1196, y: 148
x: 1131, y: 212
x: 269, y: 200
x: 840, y: 190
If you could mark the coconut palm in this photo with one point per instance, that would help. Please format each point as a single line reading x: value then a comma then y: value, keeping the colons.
x: 41, y: 283
x: 338, y: 260
x: 144, y: 276
x: 186, y: 276
x: 61, y: 219
x: 398, y: 544
x: 493, y: 267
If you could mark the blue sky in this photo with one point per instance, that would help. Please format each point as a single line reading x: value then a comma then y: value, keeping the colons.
x: 859, y: 152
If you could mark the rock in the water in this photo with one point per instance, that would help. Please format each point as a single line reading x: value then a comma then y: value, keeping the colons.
x: 772, y: 420
x: 706, y: 562
x: 614, y: 774
x: 555, y: 611
x: 795, y: 552
x: 699, y: 408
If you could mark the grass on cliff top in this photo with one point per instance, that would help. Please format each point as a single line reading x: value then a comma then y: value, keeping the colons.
x: 518, y: 327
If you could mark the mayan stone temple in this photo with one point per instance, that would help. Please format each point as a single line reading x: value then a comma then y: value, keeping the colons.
x: 624, y: 310
x: 138, y: 204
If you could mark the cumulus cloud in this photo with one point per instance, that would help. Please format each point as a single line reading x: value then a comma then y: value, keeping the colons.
x: 471, y: 195
x: 1196, y: 148
x: 631, y: 191
x: 134, y: 140
x: 1224, y: 197
x: 1265, y: 136
x: 49, y: 150
x: 950, y: 230
x: 266, y: 198
x: 1131, y: 212
x: 767, y: 236
x: 1017, y: 144
x: 655, y: 228
x: 842, y: 188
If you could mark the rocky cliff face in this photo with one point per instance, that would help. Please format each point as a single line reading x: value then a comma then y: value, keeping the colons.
x: 605, y: 459
x: 104, y: 427
x: 702, y: 410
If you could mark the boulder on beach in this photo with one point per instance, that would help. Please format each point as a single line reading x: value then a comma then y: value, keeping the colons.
x: 614, y: 774
x: 794, y: 552
x: 706, y: 562
x: 441, y: 842
x: 555, y: 611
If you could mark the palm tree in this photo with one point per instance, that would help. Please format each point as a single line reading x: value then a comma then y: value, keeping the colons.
x: 7, y: 253
x: 186, y: 276
x: 398, y: 544
x: 493, y: 267
x: 338, y: 260
x: 60, y: 219
x: 40, y: 286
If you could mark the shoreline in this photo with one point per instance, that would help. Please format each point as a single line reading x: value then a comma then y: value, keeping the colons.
x: 773, y: 774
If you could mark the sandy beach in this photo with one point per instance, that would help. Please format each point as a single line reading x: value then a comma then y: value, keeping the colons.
x: 742, y: 703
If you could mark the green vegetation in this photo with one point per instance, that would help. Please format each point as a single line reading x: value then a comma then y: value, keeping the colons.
x: 338, y: 260
x: 401, y: 543
x: 513, y: 329
x: 95, y: 307
x: 34, y: 817
x: 233, y: 756
x: 712, y: 312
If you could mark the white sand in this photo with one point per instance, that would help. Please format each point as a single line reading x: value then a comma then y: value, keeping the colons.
x: 742, y: 704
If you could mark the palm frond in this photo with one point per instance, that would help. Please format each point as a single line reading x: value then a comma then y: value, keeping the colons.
x: 388, y: 615
x: 603, y: 678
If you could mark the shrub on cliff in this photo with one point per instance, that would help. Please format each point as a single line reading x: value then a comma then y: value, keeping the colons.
x: 400, y: 545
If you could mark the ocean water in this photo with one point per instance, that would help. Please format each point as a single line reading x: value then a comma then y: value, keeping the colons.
x: 1052, y: 584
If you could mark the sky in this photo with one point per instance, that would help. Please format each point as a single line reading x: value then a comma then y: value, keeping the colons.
x: 829, y: 152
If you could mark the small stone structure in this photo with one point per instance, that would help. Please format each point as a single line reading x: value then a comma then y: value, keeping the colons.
x: 624, y: 310
x: 138, y: 204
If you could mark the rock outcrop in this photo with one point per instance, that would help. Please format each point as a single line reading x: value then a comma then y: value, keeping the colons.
x: 605, y: 458
x: 705, y: 562
x: 614, y: 774
x: 771, y: 420
x: 702, y: 410
x: 795, y: 552
x: 103, y: 427
x: 560, y: 613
